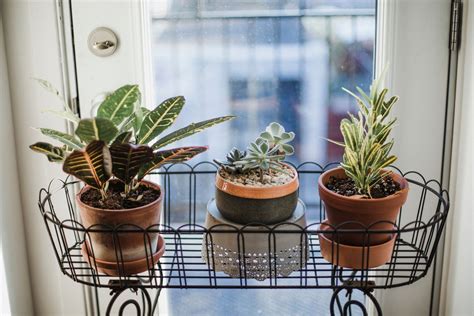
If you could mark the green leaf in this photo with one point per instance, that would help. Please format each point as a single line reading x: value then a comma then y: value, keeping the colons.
x: 48, y: 86
x: 127, y: 159
x: 93, y: 165
x: 174, y: 155
x: 54, y: 154
x: 120, y: 104
x: 64, y: 138
x: 123, y: 138
x: 160, y: 119
x: 96, y: 129
x: 65, y: 114
x: 134, y: 122
x: 139, y: 117
x: 189, y: 130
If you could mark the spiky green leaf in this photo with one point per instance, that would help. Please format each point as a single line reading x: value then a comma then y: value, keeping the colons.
x: 93, y: 165
x: 189, y: 130
x: 162, y: 117
x: 120, y: 104
x: 96, y: 129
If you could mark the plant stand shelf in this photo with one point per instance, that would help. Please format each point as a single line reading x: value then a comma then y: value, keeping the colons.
x: 418, y: 231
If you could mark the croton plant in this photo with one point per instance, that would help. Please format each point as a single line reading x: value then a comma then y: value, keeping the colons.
x: 123, y: 141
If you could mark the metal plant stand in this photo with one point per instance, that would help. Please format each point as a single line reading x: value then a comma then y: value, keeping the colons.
x: 418, y: 231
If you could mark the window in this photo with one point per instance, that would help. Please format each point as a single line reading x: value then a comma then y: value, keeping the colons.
x: 262, y: 61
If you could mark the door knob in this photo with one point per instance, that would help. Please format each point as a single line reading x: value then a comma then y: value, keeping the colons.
x: 102, y: 42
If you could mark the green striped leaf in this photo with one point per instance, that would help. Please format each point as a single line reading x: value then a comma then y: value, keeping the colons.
x: 127, y: 160
x: 170, y: 156
x: 65, y: 114
x: 134, y: 122
x: 53, y: 153
x: 139, y: 116
x: 160, y: 119
x: 189, y: 130
x: 66, y: 139
x: 93, y: 165
x: 123, y: 138
x: 96, y: 129
x: 120, y: 104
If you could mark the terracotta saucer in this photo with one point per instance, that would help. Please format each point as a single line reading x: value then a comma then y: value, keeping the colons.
x: 112, y: 268
x: 354, y: 257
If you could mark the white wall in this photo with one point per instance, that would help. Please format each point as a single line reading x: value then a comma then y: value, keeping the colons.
x: 14, y: 274
x: 458, y: 276
x: 32, y: 50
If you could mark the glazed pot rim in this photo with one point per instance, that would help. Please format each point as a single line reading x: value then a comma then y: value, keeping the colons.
x: 399, y: 179
x: 255, y: 192
x: 125, y: 210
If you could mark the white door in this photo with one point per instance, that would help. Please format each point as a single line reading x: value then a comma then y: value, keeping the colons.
x: 278, y: 60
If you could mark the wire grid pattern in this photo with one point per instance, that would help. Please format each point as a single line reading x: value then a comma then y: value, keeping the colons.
x: 418, y: 231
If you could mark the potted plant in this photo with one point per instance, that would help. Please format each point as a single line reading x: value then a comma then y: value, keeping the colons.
x: 256, y: 186
x: 112, y: 153
x: 361, y: 194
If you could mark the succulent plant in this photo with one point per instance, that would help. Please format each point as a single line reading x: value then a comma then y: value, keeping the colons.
x: 266, y: 153
x: 276, y: 136
x: 366, y: 145
x: 232, y: 157
x: 120, y: 142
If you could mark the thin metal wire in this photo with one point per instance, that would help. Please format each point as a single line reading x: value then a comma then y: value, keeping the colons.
x: 192, y: 259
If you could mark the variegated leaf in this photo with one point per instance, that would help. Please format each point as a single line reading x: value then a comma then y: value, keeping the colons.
x: 127, y: 159
x: 189, y: 130
x: 123, y: 138
x: 68, y: 140
x: 160, y: 119
x: 135, y: 120
x: 96, y: 129
x: 140, y: 115
x: 120, y: 104
x: 53, y: 153
x: 65, y: 114
x: 93, y: 165
x: 170, y: 156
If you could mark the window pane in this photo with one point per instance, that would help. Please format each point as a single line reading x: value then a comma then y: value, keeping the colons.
x: 263, y: 61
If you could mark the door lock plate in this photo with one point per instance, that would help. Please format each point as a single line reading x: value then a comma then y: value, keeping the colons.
x: 102, y: 42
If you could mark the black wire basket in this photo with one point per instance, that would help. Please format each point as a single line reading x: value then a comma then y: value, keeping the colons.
x: 288, y: 255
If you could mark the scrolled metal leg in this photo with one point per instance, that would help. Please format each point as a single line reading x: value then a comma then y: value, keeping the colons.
x: 350, y: 284
x: 346, y: 309
x: 142, y: 308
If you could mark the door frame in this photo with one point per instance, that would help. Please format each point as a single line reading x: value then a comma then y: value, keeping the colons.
x: 62, y: 68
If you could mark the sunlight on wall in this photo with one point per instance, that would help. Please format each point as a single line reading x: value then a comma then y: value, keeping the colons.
x: 4, y: 301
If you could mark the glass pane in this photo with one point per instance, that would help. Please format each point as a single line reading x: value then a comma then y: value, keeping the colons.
x: 263, y: 61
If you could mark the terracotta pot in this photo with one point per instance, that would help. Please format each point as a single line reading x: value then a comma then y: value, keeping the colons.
x: 356, y: 212
x: 354, y: 257
x: 131, y: 244
x: 244, y: 204
x: 125, y: 268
